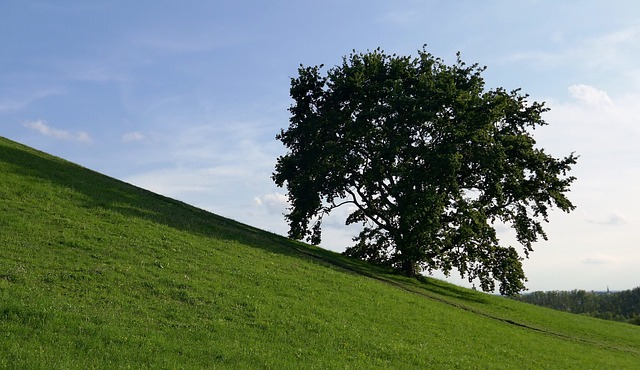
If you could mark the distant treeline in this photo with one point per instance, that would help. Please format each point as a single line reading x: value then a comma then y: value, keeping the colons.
x: 619, y: 306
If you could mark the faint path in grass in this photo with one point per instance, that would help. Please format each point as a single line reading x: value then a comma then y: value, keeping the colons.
x: 422, y: 291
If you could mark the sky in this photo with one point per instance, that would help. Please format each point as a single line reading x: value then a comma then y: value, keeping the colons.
x: 185, y: 99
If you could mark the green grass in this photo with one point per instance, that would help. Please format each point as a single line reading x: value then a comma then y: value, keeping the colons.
x: 96, y: 273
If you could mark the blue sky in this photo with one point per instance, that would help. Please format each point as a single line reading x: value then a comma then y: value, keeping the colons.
x: 185, y: 98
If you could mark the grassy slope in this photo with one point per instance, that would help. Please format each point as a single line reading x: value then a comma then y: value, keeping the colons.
x: 98, y: 273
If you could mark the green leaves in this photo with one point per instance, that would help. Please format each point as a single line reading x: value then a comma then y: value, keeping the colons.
x: 429, y: 160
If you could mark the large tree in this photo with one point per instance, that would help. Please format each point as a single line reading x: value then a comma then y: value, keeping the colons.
x: 429, y: 161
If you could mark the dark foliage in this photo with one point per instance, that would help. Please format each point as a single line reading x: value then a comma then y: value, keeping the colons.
x: 428, y: 159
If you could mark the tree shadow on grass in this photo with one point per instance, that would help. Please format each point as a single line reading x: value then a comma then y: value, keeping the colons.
x: 446, y: 289
x: 99, y: 191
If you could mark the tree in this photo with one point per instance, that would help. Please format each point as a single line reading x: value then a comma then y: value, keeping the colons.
x: 428, y: 160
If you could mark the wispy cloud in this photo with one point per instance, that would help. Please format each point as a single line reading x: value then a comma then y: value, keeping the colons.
x: 10, y: 105
x: 598, y: 259
x: 132, y: 136
x: 614, y: 219
x: 46, y: 130
x: 100, y: 68
x: 606, y: 51
x: 216, y: 166
x: 401, y: 17
x: 19, y: 100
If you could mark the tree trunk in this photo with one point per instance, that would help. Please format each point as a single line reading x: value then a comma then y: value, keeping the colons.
x: 408, y: 268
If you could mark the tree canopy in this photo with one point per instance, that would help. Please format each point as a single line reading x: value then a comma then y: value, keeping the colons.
x: 428, y: 160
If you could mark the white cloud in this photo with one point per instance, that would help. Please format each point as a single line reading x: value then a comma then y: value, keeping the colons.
x: 132, y: 136
x: 275, y: 203
x: 590, y: 95
x: 602, y: 130
x: 43, y: 128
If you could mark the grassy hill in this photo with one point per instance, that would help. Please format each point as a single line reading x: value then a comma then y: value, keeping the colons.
x: 96, y: 273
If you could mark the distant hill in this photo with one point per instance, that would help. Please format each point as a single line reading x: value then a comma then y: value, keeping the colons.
x: 97, y: 273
